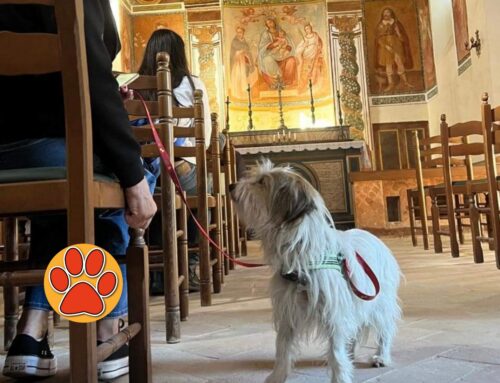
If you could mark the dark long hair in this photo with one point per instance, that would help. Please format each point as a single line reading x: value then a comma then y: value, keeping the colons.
x: 165, y: 40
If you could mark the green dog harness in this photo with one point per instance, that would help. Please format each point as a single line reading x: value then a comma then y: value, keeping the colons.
x: 329, y: 262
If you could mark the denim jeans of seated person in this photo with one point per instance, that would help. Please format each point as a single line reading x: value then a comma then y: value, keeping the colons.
x: 189, y: 185
x: 49, y: 232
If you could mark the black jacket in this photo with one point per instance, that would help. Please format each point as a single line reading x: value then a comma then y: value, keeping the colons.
x: 32, y: 106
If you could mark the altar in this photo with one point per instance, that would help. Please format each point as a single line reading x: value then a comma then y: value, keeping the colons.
x: 318, y: 156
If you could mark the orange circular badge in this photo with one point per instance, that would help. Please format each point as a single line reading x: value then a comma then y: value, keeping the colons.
x: 83, y: 283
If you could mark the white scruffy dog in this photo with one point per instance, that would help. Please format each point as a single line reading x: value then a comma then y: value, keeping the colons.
x: 297, y: 231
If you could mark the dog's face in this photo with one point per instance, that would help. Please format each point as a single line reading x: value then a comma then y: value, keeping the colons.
x: 273, y: 196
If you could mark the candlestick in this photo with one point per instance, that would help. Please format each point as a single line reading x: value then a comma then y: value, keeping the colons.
x: 341, y: 120
x: 227, y: 112
x: 313, y: 117
x: 250, y: 122
x: 280, y: 104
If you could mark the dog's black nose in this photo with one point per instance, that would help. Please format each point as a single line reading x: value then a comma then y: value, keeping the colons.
x: 232, y: 187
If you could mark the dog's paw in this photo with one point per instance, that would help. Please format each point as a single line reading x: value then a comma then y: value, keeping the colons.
x: 379, y: 362
x: 274, y: 378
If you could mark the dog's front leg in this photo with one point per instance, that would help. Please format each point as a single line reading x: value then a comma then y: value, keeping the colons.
x: 339, y: 360
x: 283, y: 363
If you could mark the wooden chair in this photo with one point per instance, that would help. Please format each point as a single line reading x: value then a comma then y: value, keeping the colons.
x: 240, y: 231
x: 171, y: 257
x: 74, y: 189
x: 10, y: 293
x: 228, y: 204
x: 491, y: 132
x: 429, y: 156
x: 17, y: 249
x: 470, y: 188
x: 203, y: 201
x: 218, y: 232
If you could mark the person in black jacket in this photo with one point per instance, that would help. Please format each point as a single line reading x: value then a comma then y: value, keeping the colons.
x: 34, y: 106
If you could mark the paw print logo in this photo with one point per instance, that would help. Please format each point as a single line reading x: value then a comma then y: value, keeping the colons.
x: 83, y: 283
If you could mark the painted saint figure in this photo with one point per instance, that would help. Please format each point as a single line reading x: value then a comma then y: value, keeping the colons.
x: 393, y: 49
x: 242, y: 65
x: 276, y: 56
x: 309, y: 53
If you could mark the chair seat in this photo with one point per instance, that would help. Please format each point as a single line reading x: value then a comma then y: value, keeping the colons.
x: 42, y: 174
x: 193, y: 201
x: 157, y: 199
x: 49, y: 184
x: 477, y: 186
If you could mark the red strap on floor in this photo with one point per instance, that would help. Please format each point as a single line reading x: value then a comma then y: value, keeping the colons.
x: 175, y: 179
x: 369, y: 272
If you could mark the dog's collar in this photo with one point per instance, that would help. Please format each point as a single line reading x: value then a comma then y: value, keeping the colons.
x: 329, y: 262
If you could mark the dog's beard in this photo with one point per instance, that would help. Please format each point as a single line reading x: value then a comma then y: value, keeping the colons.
x: 287, y: 214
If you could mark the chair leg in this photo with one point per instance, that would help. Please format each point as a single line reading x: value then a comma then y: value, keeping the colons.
x: 450, y: 207
x: 11, y: 293
x: 237, y: 249
x: 138, y: 307
x: 411, y: 214
x: 244, y: 248
x: 204, y: 253
x: 183, y: 264
x: 171, y: 274
x: 460, y: 227
x: 495, y: 224
x: 83, y: 352
x: 423, y: 220
x: 226, y: 242
x: 489, y: 225
x: 438, y: 245
x: 474, y: 228
x: 230, y: 228
x: 216, y: 254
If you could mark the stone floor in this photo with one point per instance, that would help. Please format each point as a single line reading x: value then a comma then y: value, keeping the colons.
x: 450, y: 332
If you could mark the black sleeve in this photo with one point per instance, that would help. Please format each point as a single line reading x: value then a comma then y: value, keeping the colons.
x: 113, y: 139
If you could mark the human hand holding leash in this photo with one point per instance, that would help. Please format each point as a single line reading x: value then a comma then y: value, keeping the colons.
x: 141, y: 206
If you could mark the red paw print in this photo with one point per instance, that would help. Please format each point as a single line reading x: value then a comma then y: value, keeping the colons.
x: 84, y: 296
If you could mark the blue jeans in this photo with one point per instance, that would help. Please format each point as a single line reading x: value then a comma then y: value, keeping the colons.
x: 49, y: 232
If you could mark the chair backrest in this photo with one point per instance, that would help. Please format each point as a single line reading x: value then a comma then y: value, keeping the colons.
x: 162, y: 110
x: 491, y: 132
x: 472, y: 144
x: 429, y: 155
x: 65, y: 52
x: 430, y: 152
x: 215, y: 155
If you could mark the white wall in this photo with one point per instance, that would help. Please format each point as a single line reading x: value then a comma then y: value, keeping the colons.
x: 399, y: 113
x: 459, y: 97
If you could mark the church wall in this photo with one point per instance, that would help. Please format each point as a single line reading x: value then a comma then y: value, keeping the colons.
x: 459, y: 95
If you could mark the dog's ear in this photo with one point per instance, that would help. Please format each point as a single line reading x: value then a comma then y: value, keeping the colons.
x: 291, y: 201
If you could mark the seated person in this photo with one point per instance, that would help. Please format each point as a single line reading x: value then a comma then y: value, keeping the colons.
x: 184, y: 85
x: 39, y: 142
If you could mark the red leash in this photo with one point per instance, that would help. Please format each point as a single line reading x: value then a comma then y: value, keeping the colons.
x: 175, y: 179
x: 369, y: 272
